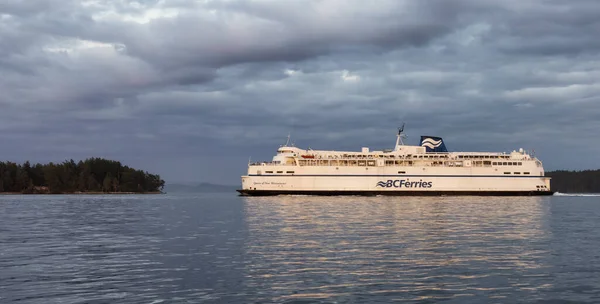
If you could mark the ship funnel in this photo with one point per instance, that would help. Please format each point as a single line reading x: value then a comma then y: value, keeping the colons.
x: 433, y: 144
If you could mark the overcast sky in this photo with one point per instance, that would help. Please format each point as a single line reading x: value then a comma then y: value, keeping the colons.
x: 191, y: 89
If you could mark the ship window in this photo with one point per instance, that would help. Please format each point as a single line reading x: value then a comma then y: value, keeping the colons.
x: 517, y: 172
x: 520, y: 163
x: 268, y: 171
x: 525, y: 172
x: 487, y: 162
x: 279, y: 171
x: 504, y: 163
x: 506, y: 172
x: 401, y: 172
x: 494, y: 163
x: 289, y: 172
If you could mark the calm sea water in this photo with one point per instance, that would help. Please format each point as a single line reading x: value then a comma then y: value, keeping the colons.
x: 221, y: 248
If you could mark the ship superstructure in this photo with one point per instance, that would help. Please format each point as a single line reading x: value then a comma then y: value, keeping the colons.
x: 427, y: 169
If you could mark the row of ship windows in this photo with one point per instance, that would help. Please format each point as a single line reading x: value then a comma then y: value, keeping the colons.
x: 350, y: 156
x: 399, y: 172
x: 484, y: 156
x: 518, y: 173
x: 410, y: 156
x: 507, y: 163
x: 371, y: 163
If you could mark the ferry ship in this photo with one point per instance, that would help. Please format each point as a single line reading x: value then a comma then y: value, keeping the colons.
x: 427, y: 169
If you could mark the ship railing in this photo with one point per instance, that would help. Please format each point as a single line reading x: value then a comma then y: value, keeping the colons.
x: 266, y: 164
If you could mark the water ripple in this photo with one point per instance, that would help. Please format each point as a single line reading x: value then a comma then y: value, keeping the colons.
x: 410, y: 249
x: 226, y: 249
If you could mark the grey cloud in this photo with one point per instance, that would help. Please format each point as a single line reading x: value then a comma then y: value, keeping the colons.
x: 31, y: 7
x: 549, y: 28
x: 207, y: 90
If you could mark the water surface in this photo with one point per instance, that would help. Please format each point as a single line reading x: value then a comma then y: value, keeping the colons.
x: 221, y: 248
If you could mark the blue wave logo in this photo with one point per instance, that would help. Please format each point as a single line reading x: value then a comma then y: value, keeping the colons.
x: 431, y: 143
x: 381, y: 184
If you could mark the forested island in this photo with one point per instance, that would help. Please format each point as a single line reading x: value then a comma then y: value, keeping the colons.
x: 586, y: 181
x: 93, y: 175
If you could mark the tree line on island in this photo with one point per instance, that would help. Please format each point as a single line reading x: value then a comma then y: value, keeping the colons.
x: 586, y: 181
x: 93, y: 175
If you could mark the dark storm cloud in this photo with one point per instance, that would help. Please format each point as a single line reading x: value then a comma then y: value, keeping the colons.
x: 181, y: 85
x: 548, y: 28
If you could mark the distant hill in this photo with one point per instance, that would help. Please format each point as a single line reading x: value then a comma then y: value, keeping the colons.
x: 201, y: 188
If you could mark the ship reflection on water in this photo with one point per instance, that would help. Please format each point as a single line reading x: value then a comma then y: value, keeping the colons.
x: 406, y: 248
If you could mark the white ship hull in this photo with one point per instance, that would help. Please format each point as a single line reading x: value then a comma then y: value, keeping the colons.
x: 404, y: 184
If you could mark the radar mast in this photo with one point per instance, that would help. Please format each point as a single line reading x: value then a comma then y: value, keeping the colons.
x: 400, y: 135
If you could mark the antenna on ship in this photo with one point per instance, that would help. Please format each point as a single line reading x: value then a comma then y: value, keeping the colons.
x: 287, y: 143
x: 401, y: 135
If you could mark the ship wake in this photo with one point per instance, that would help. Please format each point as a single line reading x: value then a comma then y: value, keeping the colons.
x: 576, y: 194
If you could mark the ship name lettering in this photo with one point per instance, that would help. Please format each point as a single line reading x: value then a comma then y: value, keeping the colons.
x: 269, y: 183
